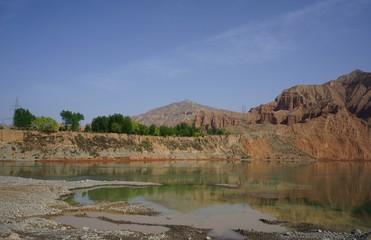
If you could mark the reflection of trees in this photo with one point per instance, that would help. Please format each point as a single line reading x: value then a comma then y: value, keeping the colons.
x: 316, y: 191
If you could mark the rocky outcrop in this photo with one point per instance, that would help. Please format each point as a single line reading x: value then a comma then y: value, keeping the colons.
x: 191, y: 113
x: 328, y: 121
x: 302, y: 103
x: 340, y: 136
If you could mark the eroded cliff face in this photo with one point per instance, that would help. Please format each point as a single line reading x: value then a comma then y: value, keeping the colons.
x: 333, y: 136
x: 299, y: 104
x: 29, y: 145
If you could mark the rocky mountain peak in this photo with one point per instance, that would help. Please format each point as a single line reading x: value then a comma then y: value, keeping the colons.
x: 354, y: 76
x: 190, y: 112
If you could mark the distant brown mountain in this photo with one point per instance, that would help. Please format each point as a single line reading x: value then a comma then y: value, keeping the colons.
x: 191, y: 113
x: 297, y: 104
x: 302, y: 103
x: 328, y: 121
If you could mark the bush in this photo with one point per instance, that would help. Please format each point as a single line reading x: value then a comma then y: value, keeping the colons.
x: 44, y: 124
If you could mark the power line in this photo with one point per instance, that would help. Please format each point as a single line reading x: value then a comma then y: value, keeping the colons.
x: 16, y: 104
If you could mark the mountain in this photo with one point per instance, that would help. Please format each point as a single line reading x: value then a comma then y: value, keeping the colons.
x: 328, y: 121
x: 302, y: 103
x: 191, y: 113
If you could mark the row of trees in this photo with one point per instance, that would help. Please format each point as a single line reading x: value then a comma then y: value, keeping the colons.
x: 24, y: 119
x: 116, y: 123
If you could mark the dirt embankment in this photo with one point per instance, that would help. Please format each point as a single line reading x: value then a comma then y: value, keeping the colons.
x: 30, y: 146
x: 339, y: 136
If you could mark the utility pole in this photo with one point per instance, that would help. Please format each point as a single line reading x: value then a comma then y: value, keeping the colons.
x: 16, y: 104
x: 243, y: 110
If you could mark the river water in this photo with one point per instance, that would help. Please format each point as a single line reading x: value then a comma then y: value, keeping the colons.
x: 231, y: 194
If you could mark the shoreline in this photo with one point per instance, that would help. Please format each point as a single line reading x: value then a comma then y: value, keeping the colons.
x: 28, y: 205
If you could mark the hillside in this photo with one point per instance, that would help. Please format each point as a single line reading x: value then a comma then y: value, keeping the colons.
x: 328, y: 121
x: 191, y: 113
x: 351, y: 92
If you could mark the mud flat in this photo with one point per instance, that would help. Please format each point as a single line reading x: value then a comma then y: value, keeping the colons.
x: 28, y: 206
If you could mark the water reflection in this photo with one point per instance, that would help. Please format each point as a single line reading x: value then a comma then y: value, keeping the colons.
x: 329, y: 193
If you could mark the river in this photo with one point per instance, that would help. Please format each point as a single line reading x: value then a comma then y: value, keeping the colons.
x: 334, y: 194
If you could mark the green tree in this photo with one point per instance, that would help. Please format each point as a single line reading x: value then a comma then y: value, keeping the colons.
x: 167, y: 131
x: 116, y: 127
x: 185, y: 130
x: 127, y: 127
x: 135, y: 127
x: 87, y: 128
x: 116, y: 123
x: 182, y: 129
x: 217, y: 131
x: 44, y: 124
x: 100, y: 124
x: 143, y: 129
x: 154, y: 130
x: 22, y: 118
x: 71, y: 120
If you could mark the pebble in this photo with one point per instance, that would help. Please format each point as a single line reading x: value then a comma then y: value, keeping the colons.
x: 84, y: 237
x: 356, y: 232
x: 85, y: 229
x: 14, y: 236
x: 208, y: 238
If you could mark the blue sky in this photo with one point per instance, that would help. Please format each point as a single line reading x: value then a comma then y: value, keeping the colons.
x: 102, y: 57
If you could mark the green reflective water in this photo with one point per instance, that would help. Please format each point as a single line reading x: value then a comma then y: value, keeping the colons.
x: 336, y: 194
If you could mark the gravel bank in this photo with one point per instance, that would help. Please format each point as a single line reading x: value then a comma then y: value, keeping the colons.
x: 27, y: 204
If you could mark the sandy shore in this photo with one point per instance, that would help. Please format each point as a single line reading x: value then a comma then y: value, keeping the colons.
x: 27, y: 207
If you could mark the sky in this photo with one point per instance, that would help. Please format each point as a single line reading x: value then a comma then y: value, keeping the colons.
x: 100, y: 57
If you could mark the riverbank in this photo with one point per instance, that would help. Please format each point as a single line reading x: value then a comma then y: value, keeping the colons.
x: 17, y: 145
x: 28, y: 205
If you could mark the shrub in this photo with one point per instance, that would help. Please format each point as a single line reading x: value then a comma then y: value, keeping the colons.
x: 44, y: 124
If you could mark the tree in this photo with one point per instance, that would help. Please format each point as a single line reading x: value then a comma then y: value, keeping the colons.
x: 22, y: 118
x: 116, y: 128
x: 143, y: 129
x: 185, y: 130
x: 167, y: 131
x: 44, y: 124
x: 116, y: 122
x: 154, y: 130
x: 87, y: 128
x: 100, y: 124
x: 127, y: 127
x: 72, y: 120
x: 135, y: 127
x: 217, y: 131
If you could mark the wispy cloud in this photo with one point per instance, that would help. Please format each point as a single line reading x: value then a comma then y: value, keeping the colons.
x: 250, y: 44
x: 245, y: 45
x: 258, y: 42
